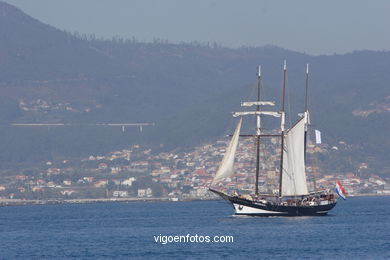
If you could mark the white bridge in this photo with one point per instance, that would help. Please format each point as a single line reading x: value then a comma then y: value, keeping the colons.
x: 122, y: 125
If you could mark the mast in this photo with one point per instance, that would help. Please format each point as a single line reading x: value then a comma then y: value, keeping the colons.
x: 307, y: 122
x: 282, y: 127
x: 306, y: 111
x: 258, y: 133
x: 258, y: 113
x: 307, y: 85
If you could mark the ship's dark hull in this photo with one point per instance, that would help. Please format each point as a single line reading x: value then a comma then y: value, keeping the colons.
x: 264, y: 208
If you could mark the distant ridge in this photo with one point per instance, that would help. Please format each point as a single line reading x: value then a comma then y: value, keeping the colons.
x: 12, y: 13
x: 185, y: 88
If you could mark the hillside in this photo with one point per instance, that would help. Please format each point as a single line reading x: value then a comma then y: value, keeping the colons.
x: 188, y: 90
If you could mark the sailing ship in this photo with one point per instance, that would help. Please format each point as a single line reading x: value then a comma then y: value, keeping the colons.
x: 292, y: 197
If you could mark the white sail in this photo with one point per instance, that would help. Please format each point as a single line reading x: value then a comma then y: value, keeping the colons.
x: 258, y: 103
x: 294, y: 176
x: 226, y: 168
x: 268, y: 113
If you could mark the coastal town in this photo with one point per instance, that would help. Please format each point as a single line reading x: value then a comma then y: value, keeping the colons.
x: 140, y: 173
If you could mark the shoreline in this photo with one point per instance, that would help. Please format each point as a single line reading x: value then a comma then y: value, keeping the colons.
x: 368, y: 195
x: 24, y: 202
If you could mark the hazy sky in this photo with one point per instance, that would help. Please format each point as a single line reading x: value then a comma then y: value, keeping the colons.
x: 311, y: 26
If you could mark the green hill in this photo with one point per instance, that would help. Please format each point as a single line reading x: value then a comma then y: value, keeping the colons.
x: 188, y: 90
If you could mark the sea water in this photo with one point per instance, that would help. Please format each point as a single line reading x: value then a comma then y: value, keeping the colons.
x: 358, y: 228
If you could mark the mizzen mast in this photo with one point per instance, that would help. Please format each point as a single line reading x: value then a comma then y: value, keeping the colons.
x: 306, y: 111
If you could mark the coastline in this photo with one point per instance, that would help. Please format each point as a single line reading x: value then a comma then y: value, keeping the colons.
x: 368, y: 195
x: 24, y: 202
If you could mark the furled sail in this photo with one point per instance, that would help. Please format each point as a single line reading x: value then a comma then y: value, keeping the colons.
x: 226, y: 168
x: 294, y: 176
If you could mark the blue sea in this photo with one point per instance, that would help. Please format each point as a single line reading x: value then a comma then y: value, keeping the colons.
x: 358, y: 228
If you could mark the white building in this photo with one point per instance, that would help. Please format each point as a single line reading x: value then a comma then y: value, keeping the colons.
x: 128, y: 182
x: 120, y: 194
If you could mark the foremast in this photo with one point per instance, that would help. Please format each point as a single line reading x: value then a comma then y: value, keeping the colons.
x: 258, y: 113
x: 258, y: 131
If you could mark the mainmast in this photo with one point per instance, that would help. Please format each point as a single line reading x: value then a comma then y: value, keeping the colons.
x: 258, y: 130
x: 282, y: 122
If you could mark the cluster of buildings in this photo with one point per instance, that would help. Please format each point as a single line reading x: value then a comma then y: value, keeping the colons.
x: 140, y: 172
x: 43, y: 106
